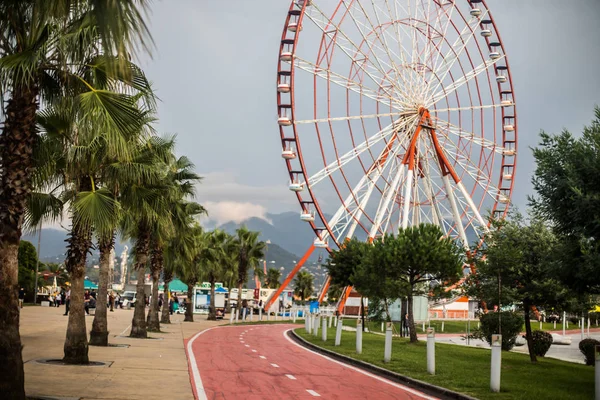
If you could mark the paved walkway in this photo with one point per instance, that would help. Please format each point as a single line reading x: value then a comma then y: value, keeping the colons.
x: 148, y: 369
x: 258, y: 362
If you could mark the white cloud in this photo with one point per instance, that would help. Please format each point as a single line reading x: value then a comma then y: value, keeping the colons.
x: 223, y: 188
x: 226, y: 211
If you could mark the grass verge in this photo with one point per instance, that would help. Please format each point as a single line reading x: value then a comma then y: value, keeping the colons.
x: 467, y: 370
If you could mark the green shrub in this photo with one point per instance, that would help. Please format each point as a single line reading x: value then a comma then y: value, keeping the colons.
x: 511, y: 326
x: 541, y: 342
x: 588, y: 348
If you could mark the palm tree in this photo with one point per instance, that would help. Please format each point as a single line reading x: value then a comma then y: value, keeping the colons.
x: 41, y: 42
x: 216, y: 263
x: 249, y: 251
x: 77, y: 160
x: 191, y: 267
x: 179, y: 249
x: 273, y: 276
x: 303, y: 285
x: 180, y: 179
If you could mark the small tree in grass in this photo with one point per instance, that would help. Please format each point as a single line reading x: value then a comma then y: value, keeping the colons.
x: 413, y: 259
x: 515, y: 266
x: 343, y: 264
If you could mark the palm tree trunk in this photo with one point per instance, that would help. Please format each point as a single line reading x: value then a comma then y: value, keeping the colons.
x: 138, y: 324
x: 239, y: 299
x: 80, y: 241
x: 16, y: 148
x: 212, y: 313
x: 189, y: 312
x: 411, y: 320
x: 99, y: 332
x: 166, y: 315
x: 156, y: 265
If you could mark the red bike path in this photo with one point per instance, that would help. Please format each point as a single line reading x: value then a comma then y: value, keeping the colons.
x: 261, y: 362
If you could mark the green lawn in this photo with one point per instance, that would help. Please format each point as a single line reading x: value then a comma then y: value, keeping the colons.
x: 449, y: 326
x: 458, y: 327
x: 467, y: 370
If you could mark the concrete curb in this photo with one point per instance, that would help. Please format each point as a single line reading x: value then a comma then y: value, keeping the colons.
x: 424, y: 387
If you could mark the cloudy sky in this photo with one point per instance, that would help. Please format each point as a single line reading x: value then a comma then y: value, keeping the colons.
x: 214, y: 69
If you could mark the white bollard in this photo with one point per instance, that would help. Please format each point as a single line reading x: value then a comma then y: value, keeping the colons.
x: 295, y: 315
x: 231, y: 315
x: 260, y: 313
x: 251, y: 314
x: 541, y: 326
x: 316, y: 325
x: 443, y: 326
x: 496, y: 363
x: 324, y: 330
x: 382, y: 325
x: 387, y: 352
x: 237, y: 316
x: 597, y: 372
x: 268, y: 316
x: 588, y: 327
x: 335, y: 321
x: 582, y: 323
x: 423, y: 326
x: 554, y: 324
x: 306, y: 328
x: 359, y: 336
x: 244, y: 314
x: 338, y: 332
x: 330, y: 320
x: 309, y: 319
x: 431, y: 351
x: 564, y: 322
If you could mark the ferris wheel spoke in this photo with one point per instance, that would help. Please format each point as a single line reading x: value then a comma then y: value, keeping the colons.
x: 445, y: 92
x: 383, y: 46
x: 352, y: 208
x: 463, y: 40
x: 343, y: 81
x: 357, y: 151
x: 455, y: 213
x: 469, y: 108
x: 349, y: 156
x: 330, y: 29
x: 372, y: 47
x: 448, y: 129
x: 350, y: 118
x: 476, y: 174
x: 388, y: 192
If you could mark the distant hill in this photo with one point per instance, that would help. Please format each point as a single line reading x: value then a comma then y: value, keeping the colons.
x: 53, y: 245
x: 286, y: 230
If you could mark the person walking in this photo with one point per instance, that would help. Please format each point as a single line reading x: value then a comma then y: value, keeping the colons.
x: 21, y: 297
x: 67, y: 301
x: 86, y: 302
x: 111, y: 301
x: 58, y: 299
x: 405, y: 328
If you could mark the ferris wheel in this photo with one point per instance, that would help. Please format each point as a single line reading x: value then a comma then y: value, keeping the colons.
x: 394, y: 113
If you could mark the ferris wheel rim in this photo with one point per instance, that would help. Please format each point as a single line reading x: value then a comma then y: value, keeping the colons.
x: 306, y: 198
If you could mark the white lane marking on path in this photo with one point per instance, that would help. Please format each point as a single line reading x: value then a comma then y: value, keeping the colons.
x: 275, y: 365
x: 313, y: 393
x: 263, y: 357
x: 254, y: 351
x: 124, y: 330
x: 421, y: 395
x: 197, y: 381
x: 247, y: 345
x: 292, y: 377
x: 241, y: 341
